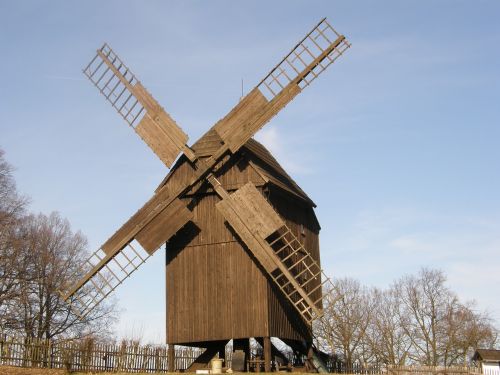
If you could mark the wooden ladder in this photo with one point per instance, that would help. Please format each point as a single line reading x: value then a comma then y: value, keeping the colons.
x: 305, y: 271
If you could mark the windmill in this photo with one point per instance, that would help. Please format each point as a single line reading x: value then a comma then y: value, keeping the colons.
x: 241, y: 237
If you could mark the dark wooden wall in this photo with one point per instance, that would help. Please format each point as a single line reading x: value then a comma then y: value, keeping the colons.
x: 215, y: 289
x: 284, y: 321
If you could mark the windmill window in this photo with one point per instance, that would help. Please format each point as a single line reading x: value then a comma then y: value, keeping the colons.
x: 302, y: 230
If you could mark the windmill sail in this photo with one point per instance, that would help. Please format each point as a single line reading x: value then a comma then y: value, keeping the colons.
x: 138, y: 108
x: 126, y: 250
x: 281, y: 254
x: 307, y: 60
x: 103, y: 275
x: 272, y: 243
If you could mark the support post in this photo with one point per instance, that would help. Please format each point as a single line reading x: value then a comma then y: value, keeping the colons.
x: 222, y: 355
x: 171, y: 358
x: 267, y: 354
x: 310, y: 353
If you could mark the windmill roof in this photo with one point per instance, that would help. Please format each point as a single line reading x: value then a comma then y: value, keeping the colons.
x: 274, y: 172
x: 259, y: 157
x: 487, y: 355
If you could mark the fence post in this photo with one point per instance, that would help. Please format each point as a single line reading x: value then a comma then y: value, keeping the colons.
x: 1, y: 348
x: 171, y: 358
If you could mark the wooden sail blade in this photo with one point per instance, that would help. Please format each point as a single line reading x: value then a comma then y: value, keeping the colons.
x: 310, y: 57
x: 164, y: 226
x: 153, y: 225
x: 247, y: 109
x: 260, y: 227
x: 136, y: 105
x: 245, y: 210
x: 322, y: 46
x: 103, y: 275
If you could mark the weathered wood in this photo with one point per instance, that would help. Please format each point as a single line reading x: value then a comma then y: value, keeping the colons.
x: 267, y: 354
x: 164, y: 226
x: 240, y: 223
x: 215, y: 290
x: 171, y: 358
x: 204, y: 359
x: 262, y: 218
x: 247, y: 211
x: 264, y: 254
x: 158, y: 140
x: 156, y: 128
x: 253, y: 103
x: 88, y: 356
x: 239, y: 135
x: 173, y: 136
x: 207, y: 144
x: 250, y: 216
x: 141, y: 218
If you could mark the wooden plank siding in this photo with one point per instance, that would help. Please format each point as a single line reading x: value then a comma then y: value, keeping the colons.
x: 216, y: 290
x: 300, y: 218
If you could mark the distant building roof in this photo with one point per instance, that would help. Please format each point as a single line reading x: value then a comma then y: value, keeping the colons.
x: 488, y: 355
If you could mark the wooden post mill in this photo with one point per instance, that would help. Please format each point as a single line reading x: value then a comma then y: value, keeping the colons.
x: 241, y: 237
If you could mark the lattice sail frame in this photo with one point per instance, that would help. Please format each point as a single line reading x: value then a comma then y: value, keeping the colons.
x: 112, y: 87
x: 305, y: 270
x: 110, y: 275
x: 135, y: 104
x: 321, y: 40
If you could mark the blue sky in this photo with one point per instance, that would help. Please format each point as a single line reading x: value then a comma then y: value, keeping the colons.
x: 397, y: 142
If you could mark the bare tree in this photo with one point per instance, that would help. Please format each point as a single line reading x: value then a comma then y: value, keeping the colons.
x: 466, y: 330
x: 39, y: 255
x: 442, y: 330
x: 345, y: 322
x: 426, y: 299
x: 12, y: 207
x: 12, y: 204
x: 386, y: 336
x: 418, y: 320
x: 54, y: 257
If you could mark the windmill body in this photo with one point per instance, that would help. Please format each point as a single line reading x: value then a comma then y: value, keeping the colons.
x: 242, y: 238
x: 215, y: 289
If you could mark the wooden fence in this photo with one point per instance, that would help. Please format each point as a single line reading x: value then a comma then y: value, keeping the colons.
x: 86, y: 355
x: 433, y: 370
x: 377, y: 369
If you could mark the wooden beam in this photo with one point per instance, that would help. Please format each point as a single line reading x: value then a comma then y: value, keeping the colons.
x: 267, y: 354
x: 164, y: 226
x: 204, y: 358
x: 171, y: 357
x: 157, y: 128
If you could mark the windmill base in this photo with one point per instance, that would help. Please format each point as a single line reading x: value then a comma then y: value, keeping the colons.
x: 272, y: 359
